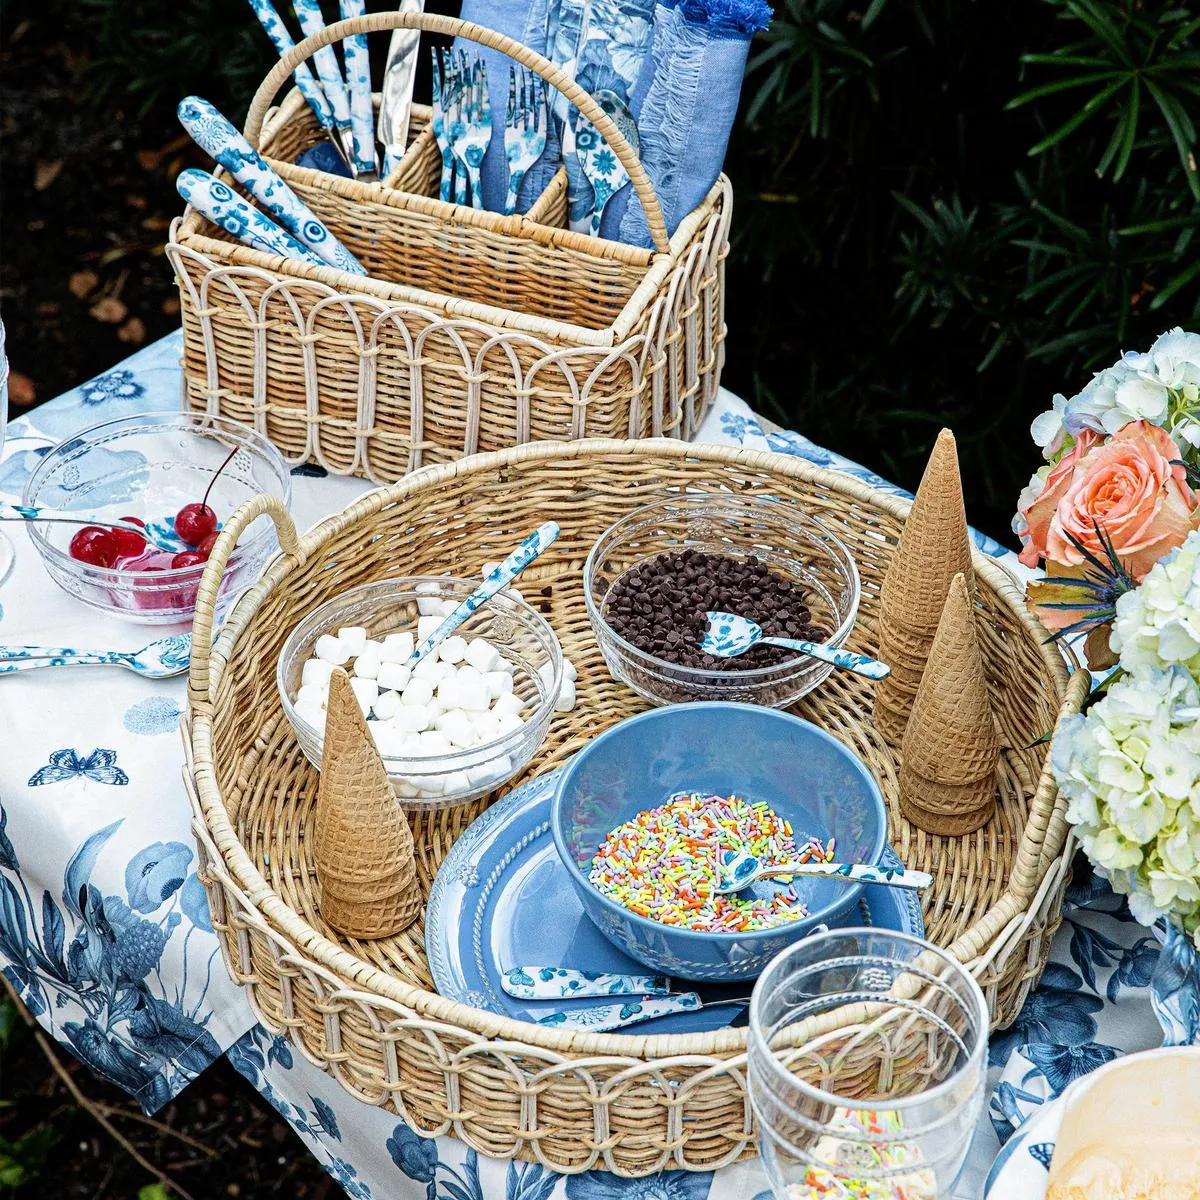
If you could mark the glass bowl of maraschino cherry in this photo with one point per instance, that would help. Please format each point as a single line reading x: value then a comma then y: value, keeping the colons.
x: 175, y: 477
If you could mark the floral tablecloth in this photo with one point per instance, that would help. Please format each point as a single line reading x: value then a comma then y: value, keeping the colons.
x: 104, y: 929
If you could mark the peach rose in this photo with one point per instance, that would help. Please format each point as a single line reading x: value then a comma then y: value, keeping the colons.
x: 1041, y: 511
x: 1131, y: 490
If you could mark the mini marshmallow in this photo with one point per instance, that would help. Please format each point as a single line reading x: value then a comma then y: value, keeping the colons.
x: 448, y: 692
x: 453, y: 649
x: 353, y: 636
x: 386, y: 706
x: 418, y: 692
x: 367, y: 664
x: 429, y: 606
x: 490, y: 772
x: 431, y: 786
x: 455, y: 782
x: 333, y: 650
x: 393, y: 676
x: 498, y: 683
x: 566, y: 697
x: 397, y: 647
x: 411, y: 718
x: 426, y: 625
x: 488, y: 568
x: 367, y: 691
x: 509, y: 704
x: 546, y: 671
x: 569, y: 671
x: 482, y: 655
x: 312, y: 693
x: 447, y: 607
x: 316, y: 671
x: 429, y: 668
x: 486, y: 726
x: 459, y: 729
x: 433, y: 742
x: 406, y: 789
x: 469, y: 676
x: 311, y: 714
x: 434, y: 708
x: 472, y: 695
x: 388, y: 739
x: 508, y: 723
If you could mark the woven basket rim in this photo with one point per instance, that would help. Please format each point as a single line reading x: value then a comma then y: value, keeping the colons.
x: 330, y: 958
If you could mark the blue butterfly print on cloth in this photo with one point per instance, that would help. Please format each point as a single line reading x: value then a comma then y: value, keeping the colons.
x: 1042, y: 1152
x: 100, y: 766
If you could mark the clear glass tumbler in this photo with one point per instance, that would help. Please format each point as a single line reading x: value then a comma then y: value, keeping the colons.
x: 6, y: 546
x: 867, y: 1064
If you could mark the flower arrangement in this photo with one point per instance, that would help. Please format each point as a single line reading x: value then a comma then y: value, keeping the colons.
x: 1116, y: 492
x: 1114, y: 517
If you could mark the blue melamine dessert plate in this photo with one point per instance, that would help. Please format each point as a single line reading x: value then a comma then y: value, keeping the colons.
x: 502, y: 899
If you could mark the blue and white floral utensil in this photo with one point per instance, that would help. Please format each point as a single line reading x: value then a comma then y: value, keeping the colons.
x: 28, y: 512
x: 224, y: 207
x: 602, y: 169
x: 563, y: 983
x: 739, y: 869
x: 524, y: 128
x: 445, y: 88
x: 163, y: 659
x: 600, y: 1018
x: 469, y: 126
x: 214, y: 134
x: 495, y: 581
x: 308, y: 13
x: 362, y: 110
x: 310, y: 89
x: 729, y: 635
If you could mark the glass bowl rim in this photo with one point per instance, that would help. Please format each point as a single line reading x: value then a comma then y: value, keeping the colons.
x: 847, y: 897
x: 473, y: 755
x: 165, y: 576
x: 775, y: 672
x: 773, y: 1068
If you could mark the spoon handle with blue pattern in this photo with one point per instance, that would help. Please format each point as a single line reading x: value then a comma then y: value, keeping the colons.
x: 564, y: 983
x: 214, y: 134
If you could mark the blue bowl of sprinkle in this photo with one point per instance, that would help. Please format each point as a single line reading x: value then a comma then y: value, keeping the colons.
x: 641, y: 813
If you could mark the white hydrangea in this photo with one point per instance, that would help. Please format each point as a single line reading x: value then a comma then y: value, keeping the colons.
x: 1130, y: 770
x: 1117, y: 395
x: 1158, y: 624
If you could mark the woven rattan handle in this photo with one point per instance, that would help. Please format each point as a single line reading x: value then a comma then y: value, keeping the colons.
x: 210, y: 583
x: 453, y: 27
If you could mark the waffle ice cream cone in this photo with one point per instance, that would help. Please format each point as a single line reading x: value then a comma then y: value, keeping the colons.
x: 362, y: 845
x: 950, y: 746
x: 934, y: 546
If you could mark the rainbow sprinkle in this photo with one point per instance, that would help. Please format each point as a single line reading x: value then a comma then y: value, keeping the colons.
x: 664, y: 863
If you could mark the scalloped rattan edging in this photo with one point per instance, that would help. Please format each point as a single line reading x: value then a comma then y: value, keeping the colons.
x: 473, y: 331
x: 365, y: 1012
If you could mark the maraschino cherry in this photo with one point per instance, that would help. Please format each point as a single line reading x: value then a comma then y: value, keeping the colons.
x: 129, y: 544
x: 195, y: 522
x: 95, y: 546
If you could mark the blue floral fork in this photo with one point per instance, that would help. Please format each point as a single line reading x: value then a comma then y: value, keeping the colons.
x: 470, y: 127
x: 524, y: 128
x: 162, y: 659
x: 447, y: 88
x: 600, y: 166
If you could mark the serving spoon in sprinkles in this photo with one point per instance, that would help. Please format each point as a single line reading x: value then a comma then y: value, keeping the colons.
x: 739, y: 869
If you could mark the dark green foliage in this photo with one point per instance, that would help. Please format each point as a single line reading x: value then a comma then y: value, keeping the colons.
x: 958, y: 209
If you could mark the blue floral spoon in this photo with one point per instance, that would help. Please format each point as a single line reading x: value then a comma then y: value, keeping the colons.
x: 729, y: 635
x: 740, y: 868
x: 162, y: 659
x: 27, y: 512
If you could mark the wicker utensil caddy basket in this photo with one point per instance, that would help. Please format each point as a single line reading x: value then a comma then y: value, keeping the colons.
x: 366, y: 1012
x: 474, y: 331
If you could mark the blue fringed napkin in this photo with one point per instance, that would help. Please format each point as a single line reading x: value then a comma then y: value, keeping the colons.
x: 695, y: 69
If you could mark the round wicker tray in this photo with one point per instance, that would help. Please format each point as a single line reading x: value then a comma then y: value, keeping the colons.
x: 365, y: 1011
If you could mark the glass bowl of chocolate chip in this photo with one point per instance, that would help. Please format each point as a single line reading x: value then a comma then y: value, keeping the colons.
x: 653, y: 576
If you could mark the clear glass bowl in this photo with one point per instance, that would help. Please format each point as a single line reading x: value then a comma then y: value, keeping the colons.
x: 790, y: 542
x: 148, y: 466
x: 866, y: 1065
x: 522, y: 636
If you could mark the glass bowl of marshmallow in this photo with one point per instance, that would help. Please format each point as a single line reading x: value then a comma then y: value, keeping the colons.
x: 462, y: 722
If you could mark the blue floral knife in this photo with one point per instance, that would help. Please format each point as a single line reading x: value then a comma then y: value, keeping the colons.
x: 224, y: 207
x: 559, y: 983
x: 496, y: 580
x: 213, y: 133
x: 308, y: 13
x: 277, y: 31
x: 362, y: 110
x: 600, y: 1018
x: 729, y: 635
